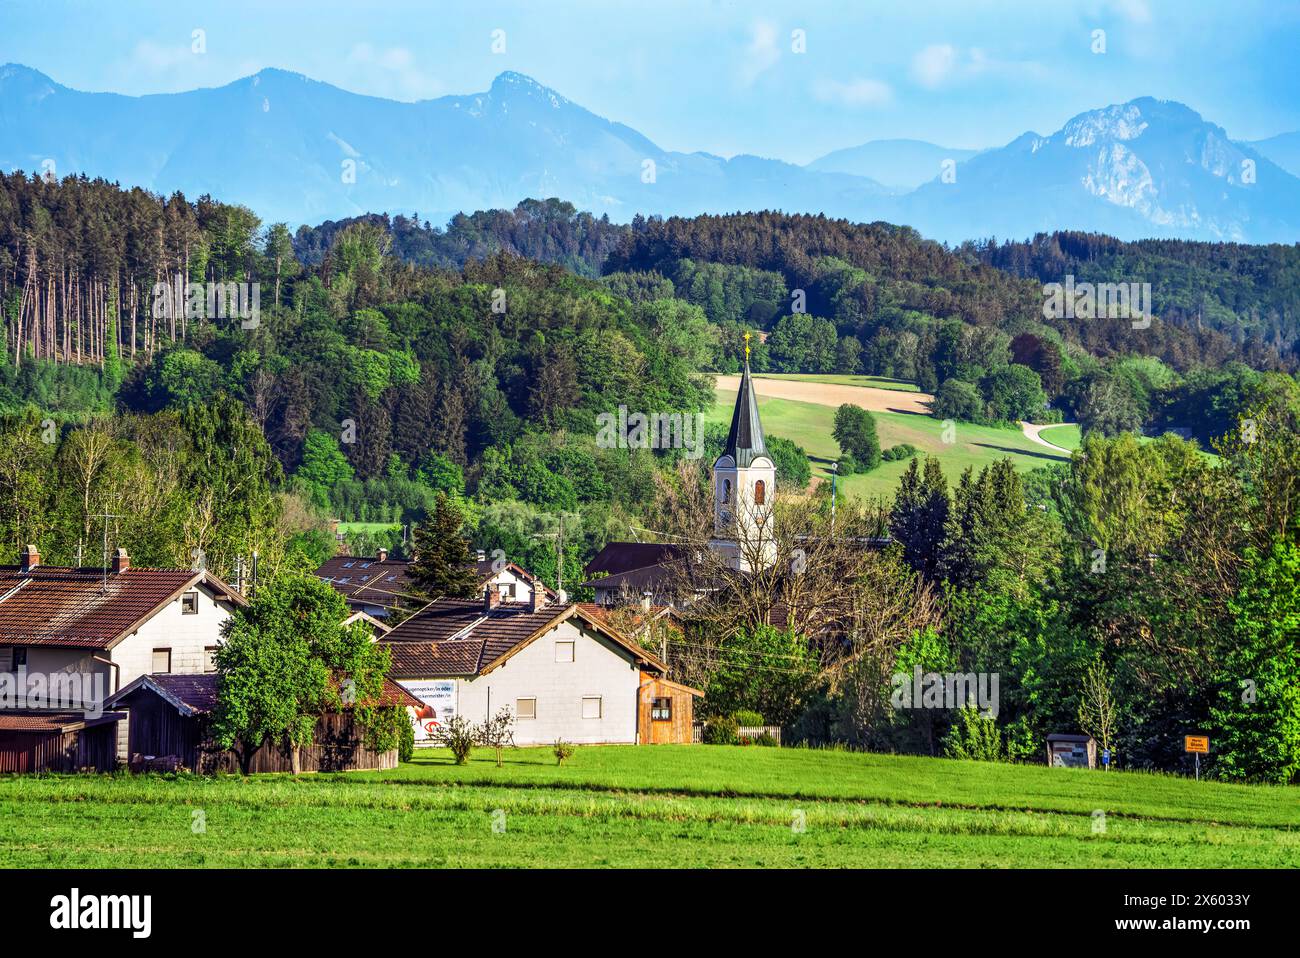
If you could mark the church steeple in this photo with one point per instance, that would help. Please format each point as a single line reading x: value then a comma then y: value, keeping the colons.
x: 744, y: 483
x: 745, y: 440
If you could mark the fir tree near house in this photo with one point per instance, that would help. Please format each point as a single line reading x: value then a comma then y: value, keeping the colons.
x: 443, y: 566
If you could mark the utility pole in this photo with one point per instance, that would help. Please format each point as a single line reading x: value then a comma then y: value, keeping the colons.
x: 835, y: 471
x: 559, y: 551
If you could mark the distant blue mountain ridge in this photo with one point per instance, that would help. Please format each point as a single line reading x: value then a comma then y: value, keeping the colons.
x: 302, y: 151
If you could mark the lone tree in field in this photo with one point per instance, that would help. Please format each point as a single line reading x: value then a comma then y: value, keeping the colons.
x: 1097, y: 706
x: 288, y: 659
x: 443, y: 567
x: 497, y: 733
x: 855, y: 431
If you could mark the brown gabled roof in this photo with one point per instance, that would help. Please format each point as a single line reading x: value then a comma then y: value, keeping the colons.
x: 620, y: 557
x: 84, y: 608
x: 368, y: 581
x: 37, y: 721
x: 454, y: 637
x: 197, y: 694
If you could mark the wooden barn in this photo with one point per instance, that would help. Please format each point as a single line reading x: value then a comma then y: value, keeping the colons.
x: 168, y: 728
x: 45, y: 741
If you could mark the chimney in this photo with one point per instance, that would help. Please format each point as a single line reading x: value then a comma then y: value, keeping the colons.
x: 30, y: 559
x: 121, y: 561
x: 645, y: 600
x: 491, y: 598
x: 383, y: 555
x: 536, y: 595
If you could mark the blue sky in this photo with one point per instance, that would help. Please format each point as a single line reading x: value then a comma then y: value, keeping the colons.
x: 710, y: 75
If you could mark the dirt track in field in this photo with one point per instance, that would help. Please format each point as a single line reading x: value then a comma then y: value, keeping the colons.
x: 834, y: 394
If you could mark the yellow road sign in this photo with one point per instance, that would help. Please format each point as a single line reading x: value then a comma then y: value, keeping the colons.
x: 1196, y: 743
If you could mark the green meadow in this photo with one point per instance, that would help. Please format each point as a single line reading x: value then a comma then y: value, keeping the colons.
x: 639, y: 806
x: 1067, y: 437
x: 811, y: 425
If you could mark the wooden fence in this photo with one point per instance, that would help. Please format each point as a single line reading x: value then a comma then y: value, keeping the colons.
x: 746, y: 733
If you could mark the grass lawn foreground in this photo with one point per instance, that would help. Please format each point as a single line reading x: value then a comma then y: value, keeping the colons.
x: 640, y: 806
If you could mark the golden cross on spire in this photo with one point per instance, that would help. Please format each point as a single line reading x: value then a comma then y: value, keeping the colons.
x: 747, y: 345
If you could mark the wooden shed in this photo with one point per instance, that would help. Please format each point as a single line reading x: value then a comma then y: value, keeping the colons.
x: 170, y: 715
x: 46, y: 741
x: 665, y: 711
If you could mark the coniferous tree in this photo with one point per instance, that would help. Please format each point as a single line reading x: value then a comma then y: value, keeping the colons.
x: 443, y: 566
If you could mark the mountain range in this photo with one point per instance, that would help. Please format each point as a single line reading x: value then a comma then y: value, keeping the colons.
x: 302, y: 151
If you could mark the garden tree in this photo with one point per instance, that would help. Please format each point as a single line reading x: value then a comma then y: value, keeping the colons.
x: 867, y: 714
x: 457, y: 734
x: 443, y: 566
x: 1013, y: 393
x: 762, y: 668
x: 918, y: 520
x: 958, y: 400
x: 1257, y: 711
x: 855, y: 431
x: 286, y: 660
x: 497, y: 732
x: 1097, y: 706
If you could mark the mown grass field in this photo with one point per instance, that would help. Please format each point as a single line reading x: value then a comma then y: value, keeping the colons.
x: 649, y: 806
x: 811, y: 424
x: 879, y: 382
x: 1067, y: 437
x: 348, y: 527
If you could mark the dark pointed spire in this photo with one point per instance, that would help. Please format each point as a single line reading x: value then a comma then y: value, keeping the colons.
x: 745, y: 440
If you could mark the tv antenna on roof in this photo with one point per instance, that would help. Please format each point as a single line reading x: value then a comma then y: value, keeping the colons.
x: 106, y: 516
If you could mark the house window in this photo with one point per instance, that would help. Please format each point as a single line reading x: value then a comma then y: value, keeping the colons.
x: 661, y: 710
x: 162, y: 661
x: 507, y: 591
x: 526, y: 708
x: 760, y: 492
x: 564, y: 651
x: 591, y: 707
x: 210, y: 659
x: 190, y: 603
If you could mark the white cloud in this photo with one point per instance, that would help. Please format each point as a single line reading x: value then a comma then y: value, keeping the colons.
x: 859, y: 92
x: 933, y: 65
x: 762, y: 53
x: 393, y: 72
x: 941, y: 63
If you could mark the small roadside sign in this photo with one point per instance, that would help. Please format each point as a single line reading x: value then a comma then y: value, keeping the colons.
x: 1196, y: 743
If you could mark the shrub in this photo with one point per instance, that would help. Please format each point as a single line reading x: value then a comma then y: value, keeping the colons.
x: 406, y: 741
x: 767, y: 740
x: 848, y: 466
x: 721, y: 730
x: 904, y: 450
x: 562, y: 750
x: 747, y: 717
x: 457, y: 734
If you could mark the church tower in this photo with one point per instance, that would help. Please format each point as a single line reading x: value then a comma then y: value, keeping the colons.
x: 744, y: 484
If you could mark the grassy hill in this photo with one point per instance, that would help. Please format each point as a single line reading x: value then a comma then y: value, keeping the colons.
x: 811, y: 424
x: 629, y: 806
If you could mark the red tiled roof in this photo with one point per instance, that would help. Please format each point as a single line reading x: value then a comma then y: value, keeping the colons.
x: 83, y: 607
x: 35, y: 721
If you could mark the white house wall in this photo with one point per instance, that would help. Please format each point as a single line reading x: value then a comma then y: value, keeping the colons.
x: 599, y: 668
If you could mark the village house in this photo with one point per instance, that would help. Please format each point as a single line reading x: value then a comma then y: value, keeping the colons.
x: 89, y: 632
x: 562, y: 669
x: 375, y: 584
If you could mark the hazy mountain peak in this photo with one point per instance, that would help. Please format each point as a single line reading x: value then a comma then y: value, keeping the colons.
x: 512, y: 85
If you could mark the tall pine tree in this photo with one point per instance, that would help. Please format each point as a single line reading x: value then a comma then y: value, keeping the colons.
x: 443, y: 567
